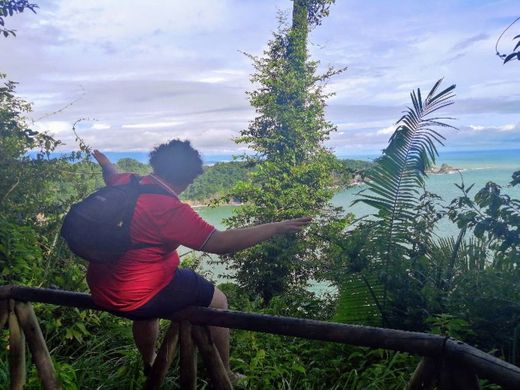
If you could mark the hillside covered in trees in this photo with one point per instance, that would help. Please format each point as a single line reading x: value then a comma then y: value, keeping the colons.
x: 218, y: 179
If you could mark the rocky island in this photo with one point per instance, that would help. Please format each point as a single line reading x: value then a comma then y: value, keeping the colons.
x: 443, y: 169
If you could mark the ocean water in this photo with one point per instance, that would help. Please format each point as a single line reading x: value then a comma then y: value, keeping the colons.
x: 476, y: 167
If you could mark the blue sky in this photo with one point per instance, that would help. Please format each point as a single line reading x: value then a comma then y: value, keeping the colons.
x: 140, y: 73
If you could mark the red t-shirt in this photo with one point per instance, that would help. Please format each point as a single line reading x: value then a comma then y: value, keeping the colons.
x: 141, y: 273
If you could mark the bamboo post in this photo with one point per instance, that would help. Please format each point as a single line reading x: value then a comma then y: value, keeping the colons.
x: 455, y: 376
x: 424, y: 376
x: 36, y: 342
x: 16, y: 351
x: 188, y: 358
x: 4, y: 312
x: 211, y: 358
x: 164, y: 358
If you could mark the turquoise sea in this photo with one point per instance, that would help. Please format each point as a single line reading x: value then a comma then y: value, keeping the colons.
x: 476, y: 167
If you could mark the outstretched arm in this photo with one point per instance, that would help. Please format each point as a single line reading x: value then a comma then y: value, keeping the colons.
x: 233, y: 240
x: 108, y: 168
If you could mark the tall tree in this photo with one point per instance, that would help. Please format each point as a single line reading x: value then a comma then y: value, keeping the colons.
x: 293, y: 175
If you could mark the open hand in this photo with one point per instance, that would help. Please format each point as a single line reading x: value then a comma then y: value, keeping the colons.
x: 293, y: 225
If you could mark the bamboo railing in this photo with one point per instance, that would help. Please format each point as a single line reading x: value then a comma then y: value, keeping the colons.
x: 446, y: 363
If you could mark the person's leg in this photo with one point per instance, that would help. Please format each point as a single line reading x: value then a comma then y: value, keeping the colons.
x: 186, y: 289
x: 220, y: 335
x: 145, y: 334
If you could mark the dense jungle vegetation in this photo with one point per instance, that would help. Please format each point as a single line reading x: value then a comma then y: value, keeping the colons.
x: 389, y: 269
x: 217, y: 180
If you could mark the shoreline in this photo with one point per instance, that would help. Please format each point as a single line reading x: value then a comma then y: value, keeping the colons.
x: 197, y: 204
x: 434, y: 171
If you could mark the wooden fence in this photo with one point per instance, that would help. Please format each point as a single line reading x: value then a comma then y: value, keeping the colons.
x: 446, y: 363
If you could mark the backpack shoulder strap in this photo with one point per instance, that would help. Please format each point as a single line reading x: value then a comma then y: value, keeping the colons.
x: 145, y: 189
x: 154, y: 189
x: 148, y: 188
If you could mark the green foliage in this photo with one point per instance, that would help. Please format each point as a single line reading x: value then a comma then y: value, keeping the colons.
x: 358, y: 300
x: 349, y: 172
x: 9, y: 8
x: 292, y: 177
x: 393, y: 185
x: 516, y: 179
x: 396, y: 178
x: 493, y: 218
x: 20, y: 254
x: 449, y: 326
x: 35, y: 191
x: 271, y: 361
x: 459, y: 286
x: 515, y: 53
x: 216, y: 181
x: 134, y: 166
x: 31, y: 200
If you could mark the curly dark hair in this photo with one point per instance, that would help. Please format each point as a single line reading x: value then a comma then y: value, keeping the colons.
x: 176, y: 161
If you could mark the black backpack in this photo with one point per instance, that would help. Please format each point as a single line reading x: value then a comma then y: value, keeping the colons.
x: 98, y: 227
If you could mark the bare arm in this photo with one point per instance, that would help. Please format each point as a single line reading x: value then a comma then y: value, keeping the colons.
x: 233, y: 240
x: 108, y: 168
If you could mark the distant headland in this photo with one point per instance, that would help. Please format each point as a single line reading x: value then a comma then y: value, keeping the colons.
x: 443, y: 170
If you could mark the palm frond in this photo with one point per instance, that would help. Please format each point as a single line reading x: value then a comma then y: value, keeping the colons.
x: 399, y: 174
x: 395, y: 181
x: 359, y: 300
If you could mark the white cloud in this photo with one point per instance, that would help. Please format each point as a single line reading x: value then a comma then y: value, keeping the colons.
x: 156, y: 125
x: 508, y: 127
x: 54, y: 127
x: 90, y: 21
x: 387, y: 130
x: 503, y: 128
x: 152, y: 71
x: 101, y: 126
x: 212, y: 80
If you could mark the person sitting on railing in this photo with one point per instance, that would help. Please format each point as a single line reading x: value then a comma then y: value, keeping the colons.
x: 146, y: 283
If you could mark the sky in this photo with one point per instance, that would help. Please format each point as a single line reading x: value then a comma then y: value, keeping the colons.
x: 136, y: 74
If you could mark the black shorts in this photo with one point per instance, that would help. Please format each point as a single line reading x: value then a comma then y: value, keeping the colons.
x: 187, y: 288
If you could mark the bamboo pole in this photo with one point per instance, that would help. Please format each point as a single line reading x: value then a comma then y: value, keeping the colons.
x: 188, y: 358
x: 48, y: 295
x: 16, y: 358
x: 422, y: 344
x: 40, y: 353
x: 4, y: 313
x: 164, y: 358
x: 424, y: 376
x: 455, y: 376
x: 211, y: 358
x: 485, y: 365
